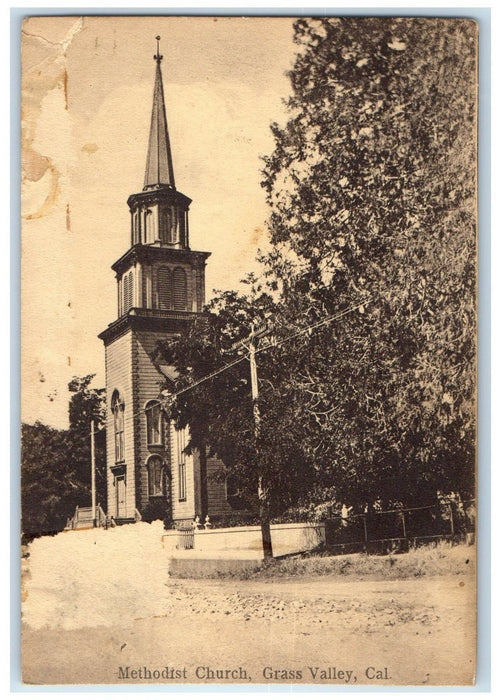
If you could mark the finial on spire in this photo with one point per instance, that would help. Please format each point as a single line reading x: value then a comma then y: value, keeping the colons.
x: 157, y: 56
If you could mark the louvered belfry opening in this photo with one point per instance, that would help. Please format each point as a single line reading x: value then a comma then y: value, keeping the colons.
x: 164, y: 288
x: 179, y: 288
x: 172, y: 289
x: 127, y: 292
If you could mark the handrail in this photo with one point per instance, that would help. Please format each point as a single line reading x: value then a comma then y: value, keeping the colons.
x: 84, y: 514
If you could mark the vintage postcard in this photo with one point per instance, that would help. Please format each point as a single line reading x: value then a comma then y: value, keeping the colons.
x: 249, y: 350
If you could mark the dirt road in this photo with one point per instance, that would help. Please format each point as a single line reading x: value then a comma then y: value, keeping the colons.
x: 321, y: 630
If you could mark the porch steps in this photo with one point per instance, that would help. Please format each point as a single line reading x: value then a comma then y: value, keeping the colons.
x: 83, y: 518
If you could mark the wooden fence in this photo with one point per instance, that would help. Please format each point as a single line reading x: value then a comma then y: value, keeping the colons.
x: 399, y: 529
x: 185, y: 538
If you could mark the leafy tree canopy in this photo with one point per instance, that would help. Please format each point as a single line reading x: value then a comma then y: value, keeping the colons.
x: 55, y: 464
x: 372, y: 192
x: 372, y: 188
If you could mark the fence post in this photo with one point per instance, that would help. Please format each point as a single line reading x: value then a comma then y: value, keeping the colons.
x: 365, y: 533
x: 402, y: 513
x: 451, y: 517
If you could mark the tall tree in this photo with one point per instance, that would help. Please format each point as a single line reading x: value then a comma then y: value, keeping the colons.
x: 49, y: 490
x: 367, y: 391
x: 55, y: 464
x: 372, y: 188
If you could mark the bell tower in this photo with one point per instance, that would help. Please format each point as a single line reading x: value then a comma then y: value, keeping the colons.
x: 160, y: 288
x: 159, y: 214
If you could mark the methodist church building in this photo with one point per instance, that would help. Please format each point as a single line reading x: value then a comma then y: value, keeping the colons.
x: 160, y: 289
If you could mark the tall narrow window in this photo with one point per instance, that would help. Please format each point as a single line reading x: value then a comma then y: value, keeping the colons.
x: 117, y: 408
x: 168, y: 218
x: 149, y: 227
x: 181, y: 463
x: 133, y: 220
x: 180, y: 289
x: 154, y: 423
x: 156, y: 476
x: 162, y: 225
x: 173, y: 226
x: 164, y: 287
x: 182, y: 228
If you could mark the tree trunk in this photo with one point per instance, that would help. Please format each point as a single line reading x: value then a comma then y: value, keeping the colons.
x: 266, y: 535
x: 264, y: 517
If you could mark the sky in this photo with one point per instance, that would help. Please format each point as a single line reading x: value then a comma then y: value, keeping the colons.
x: 86, y: 103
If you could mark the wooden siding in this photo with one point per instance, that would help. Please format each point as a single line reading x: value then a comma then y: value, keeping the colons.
x: 181, y: 510
x: 148, y: 382
x: 216, y: 490
x: 119, y: 376
x: 130, y: 370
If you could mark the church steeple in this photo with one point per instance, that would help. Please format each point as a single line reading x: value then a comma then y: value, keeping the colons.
x: 161, y: 290
x: 159, y: 168
x: 161, y: 281
x: 159, y: 213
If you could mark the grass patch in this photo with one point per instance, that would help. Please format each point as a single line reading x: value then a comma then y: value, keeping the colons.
x: 430, y: 560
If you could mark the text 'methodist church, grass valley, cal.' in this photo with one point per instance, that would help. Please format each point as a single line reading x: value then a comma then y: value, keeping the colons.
x: 161, y: 288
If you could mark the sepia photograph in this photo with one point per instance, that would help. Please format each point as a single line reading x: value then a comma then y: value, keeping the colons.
x: 249, y: 312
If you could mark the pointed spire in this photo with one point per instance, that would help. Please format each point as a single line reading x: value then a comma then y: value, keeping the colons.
x: 159, y: 169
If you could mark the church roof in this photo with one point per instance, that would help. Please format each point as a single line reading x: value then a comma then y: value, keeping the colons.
x: 159, y: 169
x: 168, y: 371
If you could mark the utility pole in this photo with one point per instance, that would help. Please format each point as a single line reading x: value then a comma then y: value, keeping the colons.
x: 262, y: 496
x: 254, y: 383
x: 93, y: 473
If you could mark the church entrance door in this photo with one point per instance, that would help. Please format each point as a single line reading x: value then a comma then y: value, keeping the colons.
x: 121, y: 507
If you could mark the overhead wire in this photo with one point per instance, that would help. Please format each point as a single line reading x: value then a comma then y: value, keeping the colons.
x: 245, y: 356
x: 275, y: 343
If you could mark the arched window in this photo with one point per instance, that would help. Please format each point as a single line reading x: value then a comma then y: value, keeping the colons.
x: 165, y: 226
x: 156, y: 476
x: 149, y: 236
x: 179, y: 291
x: 117, y: 408
x: 164, y: 287
x: 154, y: 423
